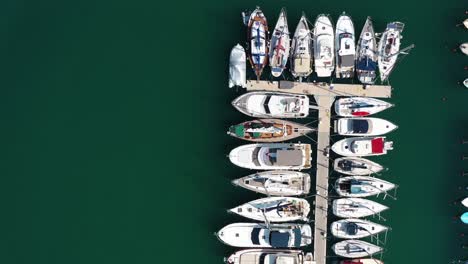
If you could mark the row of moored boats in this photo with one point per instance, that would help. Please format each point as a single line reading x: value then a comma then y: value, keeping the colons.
x: 325, y: 48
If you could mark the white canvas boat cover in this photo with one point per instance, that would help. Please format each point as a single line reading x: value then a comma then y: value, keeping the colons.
x: 237, y: 71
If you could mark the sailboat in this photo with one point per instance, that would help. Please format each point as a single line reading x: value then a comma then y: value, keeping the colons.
x: 355, y: 249
x: 355, y: 228
x: 301, y: 50
x: 345, y: 47
x: 361, y: 186
x: 257, y: 35
x: 366, y: 61
x: 274, y: 209
x: 237, y: 67
x: 356, y: 207
x: 324, y: 46
x: 271, y: 256
x: 389, y: 47
x: 276, y: 183
x: 268, y: 130
x: 279, y: 45
x: 356, y: 166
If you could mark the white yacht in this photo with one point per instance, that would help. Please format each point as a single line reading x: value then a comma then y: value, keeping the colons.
x: 363, y: 126
x: 389, y: 47
x: 356, y: 166
x: 270, y: 256
x: 237, y: 62
x: 362, y: 146
x: 361, y: 186
x: 276, y: 183
x: 279, y: 45
x: 355, y: 249
x: 324, y: 48
x: 345, y: 47
x: 256, y: 235
x: 269, y: 156
x: 356, y: 207
x: 355, y: 228
x: 301, y: 50
x: 272, y: 105
x: 274, y: 209
x: 359, y: 106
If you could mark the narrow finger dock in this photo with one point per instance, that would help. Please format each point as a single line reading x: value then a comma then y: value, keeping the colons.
x: 324, y: 95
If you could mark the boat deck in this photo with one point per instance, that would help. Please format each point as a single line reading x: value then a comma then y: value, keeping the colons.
x: 324, y: 96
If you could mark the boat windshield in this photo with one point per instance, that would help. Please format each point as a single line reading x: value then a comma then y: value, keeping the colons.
x: 279, y: 239
x: 255, y: 236
x: 358, y: 126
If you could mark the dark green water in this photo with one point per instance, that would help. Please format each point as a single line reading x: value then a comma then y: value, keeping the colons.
x: 113, y: 128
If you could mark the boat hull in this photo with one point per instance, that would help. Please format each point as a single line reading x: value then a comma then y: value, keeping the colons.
x: 276, y: 183
x: 268, y: 130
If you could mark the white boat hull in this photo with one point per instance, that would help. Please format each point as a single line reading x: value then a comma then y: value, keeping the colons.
x: 355, y: 249
x: 272, y: 105
x: 274, y: 209
x: 252, y: 235
x: 268, y: 156
x: 362, y: 146
x: 356, y: 166
x: 356, y: 207
x: 345, y: 47
x: 360, y: 106
x: 365, y: 126
x: 355, y: 228
x: 324, y: 46
x: 276, y: 183
x: 237, y: 67
x: 361, y: 186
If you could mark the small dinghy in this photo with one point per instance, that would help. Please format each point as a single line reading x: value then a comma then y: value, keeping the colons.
x: 366, y: 61
x: 324, y: 48
x: 465, y: 202
x: 361, y: 186
x: 270, y: 256
x: 355, y: 228
x: 268, y: 130
x: 355, y: 249
x: 464, y: 218
x: 345, y: 47
x: 279, y: 45
x: 361, y: 261
x: 272, y: 105
x: 274, y: 209
x: 356, y: 207
x: 389, y: 48
x: 362, y: 146
x: 257, y: 36
x: 356, y: 166
x: 359, y: 106
x: 276, y: 183
x: 237, y: 67
x: 464, y: 48
x: 269, y: 156
x: 301, y: 49
x: 253, y: 235
x: 364, y: 126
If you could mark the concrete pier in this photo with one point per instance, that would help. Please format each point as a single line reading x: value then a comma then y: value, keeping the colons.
x: 324, y: 95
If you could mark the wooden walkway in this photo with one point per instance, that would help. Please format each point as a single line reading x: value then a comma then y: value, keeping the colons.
x: 377, y: 91
x: 324, y: 95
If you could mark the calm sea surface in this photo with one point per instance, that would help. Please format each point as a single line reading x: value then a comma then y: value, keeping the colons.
x: 113, y: 117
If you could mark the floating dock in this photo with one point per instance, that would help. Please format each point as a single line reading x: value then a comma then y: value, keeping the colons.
x: 324, y: 95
